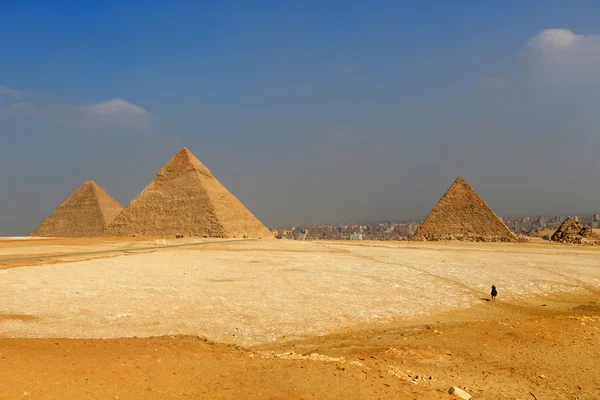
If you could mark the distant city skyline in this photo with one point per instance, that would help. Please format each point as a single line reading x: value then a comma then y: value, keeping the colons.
x: 394, y: 221
x: 403, y: 230
x: 324, y: 112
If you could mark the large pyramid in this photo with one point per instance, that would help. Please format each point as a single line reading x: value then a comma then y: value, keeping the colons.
x: 87, y: 212
x: 462, y: 215
x: 186, y: 199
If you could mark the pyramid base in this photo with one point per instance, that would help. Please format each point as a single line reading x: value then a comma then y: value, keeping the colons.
x: 464, y: 238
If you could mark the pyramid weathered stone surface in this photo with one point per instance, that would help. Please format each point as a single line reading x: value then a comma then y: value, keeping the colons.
x: 572, y: 232
x: 462, y: 215
x: 86, y: 213
x: 185, y: 199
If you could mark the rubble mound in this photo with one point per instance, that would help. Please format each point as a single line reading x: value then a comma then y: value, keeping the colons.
x: 85, y: 213
x: 461, y: 214
x: 572, y: 232
x: 588, y: 233
x: 185, y: 199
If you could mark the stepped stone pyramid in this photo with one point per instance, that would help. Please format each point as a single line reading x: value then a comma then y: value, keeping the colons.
x: 86, y: 213
x: 462, y: 215
x: 185, y: 199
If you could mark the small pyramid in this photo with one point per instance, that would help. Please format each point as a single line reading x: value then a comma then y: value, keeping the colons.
x: 571, y: 231
x: 86, y: 213
x: 186, y: 199
x: 462, y: 215
x: 567, y: 228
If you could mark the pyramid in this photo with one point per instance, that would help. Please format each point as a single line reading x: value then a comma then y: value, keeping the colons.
x: 462, y: 215
x: 571, y: 231
x: 186, y: 199
x: 86, y: 213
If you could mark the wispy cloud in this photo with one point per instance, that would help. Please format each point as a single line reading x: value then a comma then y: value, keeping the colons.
x: 19, y: 110
x: 114, y: 106
x: 4, y: 91
x: 111, y: 112
x: 118, y: 112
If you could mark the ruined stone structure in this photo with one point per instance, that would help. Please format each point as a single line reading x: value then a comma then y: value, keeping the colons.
x: 462, y: 215
x: 185, y: 199
x: 572, y: 232
x: 86, y: 213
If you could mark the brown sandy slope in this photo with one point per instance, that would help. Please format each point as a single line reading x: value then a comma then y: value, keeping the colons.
x: 86, y: 213
x: 461, y: 214
x: 505, y: 352
x: 186, y: 199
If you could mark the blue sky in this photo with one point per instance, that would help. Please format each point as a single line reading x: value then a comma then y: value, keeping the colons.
x: 315, y: 111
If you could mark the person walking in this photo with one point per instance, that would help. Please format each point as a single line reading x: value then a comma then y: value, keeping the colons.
x: 494, y: 292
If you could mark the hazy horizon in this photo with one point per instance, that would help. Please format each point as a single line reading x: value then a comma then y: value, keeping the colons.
x: 308, y: 113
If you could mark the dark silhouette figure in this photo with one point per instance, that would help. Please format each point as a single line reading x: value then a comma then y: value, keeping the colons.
x: 494, y: 293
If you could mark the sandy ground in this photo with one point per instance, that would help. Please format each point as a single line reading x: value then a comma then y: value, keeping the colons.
x: 374, y: 315
x: 254, y: 292
x: 505, y: 352
x: 27, y: 251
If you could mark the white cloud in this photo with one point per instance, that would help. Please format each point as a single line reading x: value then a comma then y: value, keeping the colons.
x: 118, y: 112
x: 550, y: 40
x: 115, y: 106
x: 111, y: 112
x: 4, y: 91
x: 559, y: 57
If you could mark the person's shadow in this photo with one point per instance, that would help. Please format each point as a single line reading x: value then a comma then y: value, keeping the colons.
x: 484, y: 299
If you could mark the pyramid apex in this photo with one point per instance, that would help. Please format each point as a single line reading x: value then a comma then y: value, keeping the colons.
x: 183, y: 161
x: 461, y: 183
x: 90, y: 184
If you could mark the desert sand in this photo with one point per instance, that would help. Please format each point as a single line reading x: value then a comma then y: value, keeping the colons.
x: 284, y: 319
